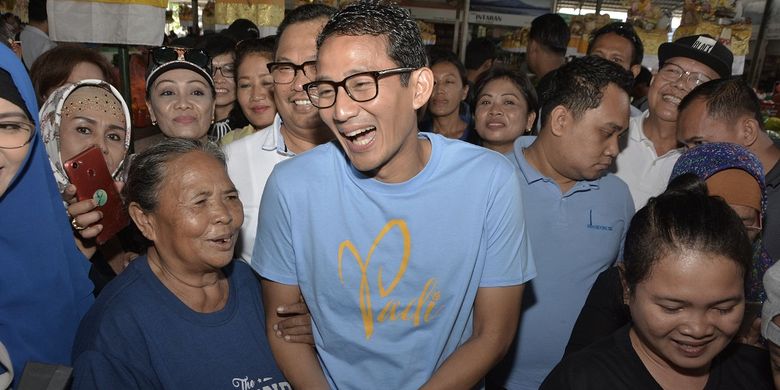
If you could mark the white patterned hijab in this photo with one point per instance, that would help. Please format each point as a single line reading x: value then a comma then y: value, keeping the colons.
x: 51, y: 118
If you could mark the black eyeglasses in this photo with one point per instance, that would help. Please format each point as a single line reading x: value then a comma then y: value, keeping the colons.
x: 285, y: 72
x: 360, y: 87
x: 14, y: 134
x: 164, y: 54
x: 227, y: 70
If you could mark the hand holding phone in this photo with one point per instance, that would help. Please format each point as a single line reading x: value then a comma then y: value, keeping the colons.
x: 89, y: 173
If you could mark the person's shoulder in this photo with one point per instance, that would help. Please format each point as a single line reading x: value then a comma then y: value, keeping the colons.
x: 745, y: 363
x: 124, y: 292
x: 603, y: 364
x: 615, y: 185
x: 313, y: 162
x: 247, y: 142
x: 463, y: 154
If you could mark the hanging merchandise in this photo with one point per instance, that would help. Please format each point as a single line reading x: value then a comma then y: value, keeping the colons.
x: 652, y: 24
x: 16, y: 7
x: 580, y: 28
x: 427, y: 32
x: 185, y: 15
x: 516, y: 41
x: 209, y: 16
x: 134, y: 22
x: 721, y: 19
x: 264, y: 13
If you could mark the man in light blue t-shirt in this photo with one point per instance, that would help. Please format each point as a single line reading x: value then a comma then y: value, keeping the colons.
x: 409, y: 249
x: 576, y: 216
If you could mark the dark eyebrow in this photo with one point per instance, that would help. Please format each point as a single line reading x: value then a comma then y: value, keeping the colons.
x: 5, y: 115
x: 94, y: 122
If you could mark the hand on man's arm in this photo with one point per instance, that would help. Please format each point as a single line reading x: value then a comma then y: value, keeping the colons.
x: 298, y: 362
x: 496, y: 315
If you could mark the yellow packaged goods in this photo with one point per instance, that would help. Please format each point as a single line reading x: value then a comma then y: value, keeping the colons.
x: 427, y: 32
x: 651, y: 40
x: 261, y: 12
x: 735, y: 36
x: 580, y: 28
x: 517, y: 41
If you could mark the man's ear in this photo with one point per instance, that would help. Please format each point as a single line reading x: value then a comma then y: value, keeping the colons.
x: 144, y: 221
x: 635, y: 69
x: 422, y: 82
x: 749, y: 129
x: 559, y: 120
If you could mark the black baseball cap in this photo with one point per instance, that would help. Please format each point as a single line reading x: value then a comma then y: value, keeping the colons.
x: 242, y: 29
x: 702, y: 48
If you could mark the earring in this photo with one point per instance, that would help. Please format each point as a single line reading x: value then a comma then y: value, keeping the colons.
x: 154, y: 123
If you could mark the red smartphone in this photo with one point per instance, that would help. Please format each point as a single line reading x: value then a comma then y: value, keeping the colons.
x: 89, y: 173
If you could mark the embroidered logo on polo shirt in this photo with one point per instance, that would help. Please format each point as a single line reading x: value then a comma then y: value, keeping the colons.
x: 704, y: 44
x: 591, y: 225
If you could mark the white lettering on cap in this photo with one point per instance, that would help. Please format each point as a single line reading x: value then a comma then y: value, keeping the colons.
x: 704, y: 44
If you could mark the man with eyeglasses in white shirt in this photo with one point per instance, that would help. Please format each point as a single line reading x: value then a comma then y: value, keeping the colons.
x: 651, y: 148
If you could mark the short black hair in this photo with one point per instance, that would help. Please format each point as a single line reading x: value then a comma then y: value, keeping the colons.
x: 303, y: 13
x: 679, y: 220
x: 438, y: 55
x: 579, y: 85
x: 626, y: 31
x: 246, y: 47
x: 644, y: 76
x: 378, y: 18
x: 550, y: 31
x: 478, y: 51
x: 727, y: 99
x: 36, y: 11
x: 216, y: 44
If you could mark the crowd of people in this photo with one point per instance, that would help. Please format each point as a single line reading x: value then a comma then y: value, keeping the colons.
x: 340, y: 206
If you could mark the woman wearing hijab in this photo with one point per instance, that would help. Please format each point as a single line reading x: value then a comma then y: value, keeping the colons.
x: 741, y: 185
x: 74, y: 118
x: 44, y: 288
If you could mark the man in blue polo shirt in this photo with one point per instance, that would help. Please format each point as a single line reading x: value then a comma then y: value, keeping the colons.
x: 575, y: 215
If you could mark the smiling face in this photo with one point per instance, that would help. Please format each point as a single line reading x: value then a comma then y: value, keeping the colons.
x: 588, y: 145
x: 380, y: 135
x: 224, y: 86
x: 93, y: 116
x: 255, y: 90
x: 664, y: 95
x: 501, y: 114
x: 182, y: 104
x: 687, y: 310
x: 198, y: 215
x: 448, y: 90
x: 298, y: 44
x: 11, y: 159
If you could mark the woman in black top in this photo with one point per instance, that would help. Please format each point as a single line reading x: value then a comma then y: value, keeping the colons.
x: 686, y: 257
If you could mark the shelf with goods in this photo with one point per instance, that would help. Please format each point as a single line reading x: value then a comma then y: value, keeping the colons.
x: 508, y: 31
x: 659, y: 21
x: 439, y: 21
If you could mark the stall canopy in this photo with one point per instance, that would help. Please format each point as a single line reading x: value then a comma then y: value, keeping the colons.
x: 133, y: 22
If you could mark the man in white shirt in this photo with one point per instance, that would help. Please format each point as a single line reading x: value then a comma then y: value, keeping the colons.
x: 651, y: 149
x: 35, y: 35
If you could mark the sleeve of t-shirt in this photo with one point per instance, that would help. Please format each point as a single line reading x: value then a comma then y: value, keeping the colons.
x: 96, y: 370
x: 273, y: 256
x: 509, y: 260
